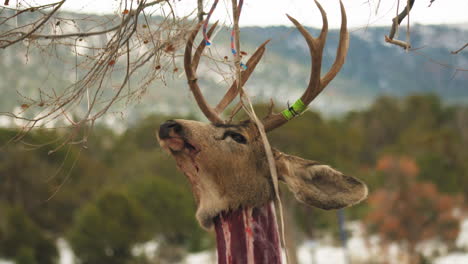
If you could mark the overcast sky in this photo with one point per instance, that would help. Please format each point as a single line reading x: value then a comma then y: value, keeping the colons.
x: 272, y: 12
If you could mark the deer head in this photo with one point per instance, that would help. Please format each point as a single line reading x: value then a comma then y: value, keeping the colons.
x: 226, y: 163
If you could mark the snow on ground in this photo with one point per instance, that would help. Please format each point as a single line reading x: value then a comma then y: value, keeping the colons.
x: 359, y: 249
x: 308, y: 253
x: 147, y: 249
x: 201, y: 257
x: 66, y: 255
x: 454, y: 258
x: 462, y: 239
x: 311, y: 252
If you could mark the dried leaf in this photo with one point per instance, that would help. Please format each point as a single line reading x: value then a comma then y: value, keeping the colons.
x: 169, y: 48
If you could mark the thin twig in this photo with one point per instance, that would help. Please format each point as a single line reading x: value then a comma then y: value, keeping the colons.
x: 92, y: 87
x: 396, y: 21
x: 59, y: 4
x: 408, y: 26
x: 200, y: 12
x: 443, y: 64
x: 460, y: 49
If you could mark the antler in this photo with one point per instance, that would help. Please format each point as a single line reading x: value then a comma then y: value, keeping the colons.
x: 316, y: 83
x: 192, y: 65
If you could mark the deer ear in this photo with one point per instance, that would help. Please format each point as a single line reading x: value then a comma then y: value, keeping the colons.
x: 318, y: 185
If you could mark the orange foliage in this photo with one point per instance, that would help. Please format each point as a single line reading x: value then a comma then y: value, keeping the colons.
x: 409, y: 210
x: 408, y: 166
x: 385, y: 163
x: 405, y: 165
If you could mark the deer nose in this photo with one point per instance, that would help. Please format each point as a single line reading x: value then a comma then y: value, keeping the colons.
x: 168, y: 126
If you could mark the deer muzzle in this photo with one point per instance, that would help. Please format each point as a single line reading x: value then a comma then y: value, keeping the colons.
x: 171, y: 136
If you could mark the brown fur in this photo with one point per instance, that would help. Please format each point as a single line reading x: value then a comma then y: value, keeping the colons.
x: 226, y: 175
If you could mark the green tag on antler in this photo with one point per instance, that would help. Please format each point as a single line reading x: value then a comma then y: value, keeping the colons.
x: 294, y: 110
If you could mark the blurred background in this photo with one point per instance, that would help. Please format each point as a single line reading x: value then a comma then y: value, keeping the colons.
x: 123, y: 201
x: 397, y: 120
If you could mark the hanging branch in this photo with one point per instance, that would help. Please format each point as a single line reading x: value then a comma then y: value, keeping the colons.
x: 30, y: 34
x: 396, y: 22
x: 248, y: 107
x: 236, y: 36
x: 460, y: 49
x: 130, y: 45
x: 200, y: 12
x: 27, y: 35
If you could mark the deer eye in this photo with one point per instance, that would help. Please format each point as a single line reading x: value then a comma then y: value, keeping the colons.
x: 235, y: 136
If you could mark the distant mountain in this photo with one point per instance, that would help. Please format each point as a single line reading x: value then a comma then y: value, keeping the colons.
x: 373, y: 68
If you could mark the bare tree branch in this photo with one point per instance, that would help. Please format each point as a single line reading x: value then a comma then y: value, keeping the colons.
x: 443, y: 64
x: 396, y: 21
x: 127, y: 47
x: 200, y: 13
x: 460, y: 49
x: 44, y: 20
x: 25, y: 35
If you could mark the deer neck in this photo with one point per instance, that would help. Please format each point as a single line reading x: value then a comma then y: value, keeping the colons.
x: 248, y: 236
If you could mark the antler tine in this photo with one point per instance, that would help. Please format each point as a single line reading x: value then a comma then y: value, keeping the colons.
x: 233, y: 90
x: 341, y: 51
x: 316, y: 51
x: 316, y: 83
x: 324, y: 31
x: 192, y: 79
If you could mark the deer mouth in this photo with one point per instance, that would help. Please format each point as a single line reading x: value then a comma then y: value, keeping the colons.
x: 180, y: 145
x: 190, y: 148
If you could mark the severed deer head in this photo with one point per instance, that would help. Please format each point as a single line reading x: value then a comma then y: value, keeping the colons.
x: 226, y: 163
